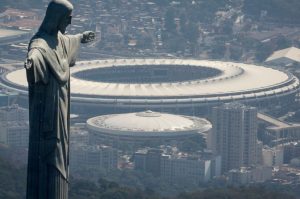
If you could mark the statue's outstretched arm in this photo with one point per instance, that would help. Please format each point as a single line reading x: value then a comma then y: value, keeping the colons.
x: 87, y: 36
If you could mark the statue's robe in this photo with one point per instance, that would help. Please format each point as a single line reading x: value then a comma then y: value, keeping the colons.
x: 48, y: 77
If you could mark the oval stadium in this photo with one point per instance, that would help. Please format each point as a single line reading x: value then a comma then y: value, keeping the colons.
x: 168, y: 85
x: 142, y: 128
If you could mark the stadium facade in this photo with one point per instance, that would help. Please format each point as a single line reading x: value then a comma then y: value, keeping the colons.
x: 145, y: 128
x: 168, y: 85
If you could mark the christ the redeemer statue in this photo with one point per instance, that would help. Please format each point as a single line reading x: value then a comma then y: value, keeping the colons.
x: 50, y: 54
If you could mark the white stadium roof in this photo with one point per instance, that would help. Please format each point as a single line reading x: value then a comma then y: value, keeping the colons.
x: 148, y: 123
x: 236, y: 81
x: 8, y: 33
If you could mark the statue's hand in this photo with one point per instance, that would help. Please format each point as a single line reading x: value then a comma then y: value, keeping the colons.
x: 87, y: 36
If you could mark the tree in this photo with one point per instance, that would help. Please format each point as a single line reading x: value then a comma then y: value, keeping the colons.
x: 176, y: 43
x: 169, y: 20
x: 191, y: 32
x: 277, y: 10
x: 236, y: 53
x: 282, y: 42
x: 145, y: 42
x: 12, y: 181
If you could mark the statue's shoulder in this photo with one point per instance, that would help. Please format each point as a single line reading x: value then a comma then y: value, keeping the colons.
x: 38, y: 43
x: 35, y: 64
x: 37, y: 46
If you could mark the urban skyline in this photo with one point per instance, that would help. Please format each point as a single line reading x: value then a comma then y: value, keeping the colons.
x: 172, y: 96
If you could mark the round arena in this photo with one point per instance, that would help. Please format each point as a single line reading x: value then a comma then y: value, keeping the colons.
x: 144, y: 128
x: 168, y: 85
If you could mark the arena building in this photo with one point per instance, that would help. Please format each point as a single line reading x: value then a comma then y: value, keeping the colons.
x: 145, y: 128
x: 9, y: 35
x: 169, y: 85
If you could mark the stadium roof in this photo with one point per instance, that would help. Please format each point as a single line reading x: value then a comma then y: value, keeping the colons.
x: 148, y: 123
x: 291, y: 53
x: 8, y: 33
x: 236, y: 81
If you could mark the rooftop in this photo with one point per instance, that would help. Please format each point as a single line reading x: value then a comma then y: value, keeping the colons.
x: 290, y: 53
x: 277, y: 124
x: 148, y: 121
x: 236, y: 81
x: 7, y: 33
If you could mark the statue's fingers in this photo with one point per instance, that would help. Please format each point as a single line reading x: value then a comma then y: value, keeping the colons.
x: 92, y: 35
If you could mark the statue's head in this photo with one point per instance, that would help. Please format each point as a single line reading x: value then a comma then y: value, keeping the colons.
x: 58, y: 17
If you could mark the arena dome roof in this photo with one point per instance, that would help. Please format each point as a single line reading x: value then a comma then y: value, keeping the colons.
x: 148, y: 123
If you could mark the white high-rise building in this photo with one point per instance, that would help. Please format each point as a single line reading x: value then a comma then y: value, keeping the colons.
x: 234, y: 135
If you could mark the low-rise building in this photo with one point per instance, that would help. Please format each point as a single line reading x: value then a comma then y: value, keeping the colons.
x: 192, y: 169
x: 246, y: 175
x: 174, y: 166
x: 280, y: 131
x: 284, y: 57
x: 273, y: 156
x: 79, y: 135
x: 14, y: 126
x: 291, y: 151
x: 96, y: 156
x: 16, y: 134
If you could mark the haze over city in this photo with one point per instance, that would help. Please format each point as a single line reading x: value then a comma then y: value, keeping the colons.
x: 183, y: 99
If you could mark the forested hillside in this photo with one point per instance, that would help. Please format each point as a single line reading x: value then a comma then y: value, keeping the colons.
x: 13, y: 186
x: 274, y: 10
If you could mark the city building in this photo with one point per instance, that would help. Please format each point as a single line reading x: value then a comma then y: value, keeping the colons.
x: 177, y: 166
x: 287, y: 175
x: 149, y: 161
x: 234, y: 135
x: 273, y: 156
x: 79, y: 135
x: 291, y: 151
x: 14, y: 126
x: 13, y: 113
x: 284, y: 57
x: 280, y: 132
x: 16, y: 19
x: 7, y: 98
x: 239, y: 176
x: 246, y: 175
x: 93, y: 156
x: 16, y: 134
x: 146, y: 128
x: 185, y: 169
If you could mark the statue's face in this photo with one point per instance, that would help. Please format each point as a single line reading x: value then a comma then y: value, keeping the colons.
x: 64, y: 24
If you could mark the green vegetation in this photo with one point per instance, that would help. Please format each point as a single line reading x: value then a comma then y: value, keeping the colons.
x: 13, y: 186
x: 104, y: 189
x: 277, y: 10
x: 193, y: 144
x: 12, y: 181
x: 235, y: 193
x: 178, y: 35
